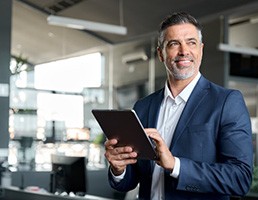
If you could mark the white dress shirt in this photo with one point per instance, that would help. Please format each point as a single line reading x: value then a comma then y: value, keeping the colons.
x: 169, y: 114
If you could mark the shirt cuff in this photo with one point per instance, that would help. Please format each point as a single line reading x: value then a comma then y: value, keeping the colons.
x: 118, y: 178
x: 175, y: 172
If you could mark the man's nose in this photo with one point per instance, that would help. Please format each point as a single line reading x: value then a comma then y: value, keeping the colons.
x: 183, y: 49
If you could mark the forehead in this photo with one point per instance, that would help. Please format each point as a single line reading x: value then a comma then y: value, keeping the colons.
x: 181, y: 31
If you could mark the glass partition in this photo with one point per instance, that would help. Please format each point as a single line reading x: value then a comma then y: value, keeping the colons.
x: 47, y: 105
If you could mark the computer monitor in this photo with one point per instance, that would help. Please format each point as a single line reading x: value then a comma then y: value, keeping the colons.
x: 69, y: 174
x: 243, y: 65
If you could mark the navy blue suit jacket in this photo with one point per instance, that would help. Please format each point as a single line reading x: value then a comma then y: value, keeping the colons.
x: 213, y: 141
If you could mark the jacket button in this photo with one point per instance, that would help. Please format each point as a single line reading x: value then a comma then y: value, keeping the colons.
x: 188, y: 188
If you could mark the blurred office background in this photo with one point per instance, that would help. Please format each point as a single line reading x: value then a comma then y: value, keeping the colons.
x: 53, y: 76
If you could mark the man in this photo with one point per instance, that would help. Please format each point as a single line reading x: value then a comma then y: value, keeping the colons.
x: 202, y: 131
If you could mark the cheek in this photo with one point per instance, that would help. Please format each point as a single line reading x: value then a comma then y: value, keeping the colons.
x: 169, y: 55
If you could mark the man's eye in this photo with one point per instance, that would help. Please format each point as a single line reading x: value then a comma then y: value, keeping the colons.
x: 172, y: 44
x: 192, y: 43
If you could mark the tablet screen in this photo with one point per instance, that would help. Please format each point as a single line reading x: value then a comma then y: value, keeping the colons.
x: 125, y: 126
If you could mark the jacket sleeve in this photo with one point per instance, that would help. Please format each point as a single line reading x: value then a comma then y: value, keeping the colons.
x: 232, y: 171
x: 129, y: 181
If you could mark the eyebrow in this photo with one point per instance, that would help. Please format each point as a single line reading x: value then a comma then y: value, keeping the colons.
x: 175, y: 40
x: 192, y: 39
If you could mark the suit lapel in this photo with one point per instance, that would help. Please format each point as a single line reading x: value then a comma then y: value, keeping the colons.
x: 154, y: 109
x: 198, y: 94
x: 153, y: 116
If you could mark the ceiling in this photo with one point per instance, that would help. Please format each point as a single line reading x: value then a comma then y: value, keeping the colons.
x: 38, y: 42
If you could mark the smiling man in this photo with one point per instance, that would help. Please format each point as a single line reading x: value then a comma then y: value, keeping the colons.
x: 202, y: 131
x: 180, y: 49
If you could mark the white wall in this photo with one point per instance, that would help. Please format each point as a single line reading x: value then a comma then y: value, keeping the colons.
x: 245, y: 35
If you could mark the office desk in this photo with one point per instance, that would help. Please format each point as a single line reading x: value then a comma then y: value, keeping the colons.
x: 97, y: 182
x: 13, y: 193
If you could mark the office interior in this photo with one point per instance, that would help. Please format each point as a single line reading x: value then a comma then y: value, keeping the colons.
x: 46, y: 120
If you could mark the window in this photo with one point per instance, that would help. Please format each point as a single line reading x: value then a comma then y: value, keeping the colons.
x: 50, y: 99
x: 69, y: 75
x: 52, y: 92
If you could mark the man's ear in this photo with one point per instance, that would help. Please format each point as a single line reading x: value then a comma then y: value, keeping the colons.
x: 160, y: 55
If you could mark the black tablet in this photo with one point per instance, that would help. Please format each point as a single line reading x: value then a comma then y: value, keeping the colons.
x: 125, y: 126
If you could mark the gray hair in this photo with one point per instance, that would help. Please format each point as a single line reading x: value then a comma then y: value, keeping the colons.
x: 175, y: 19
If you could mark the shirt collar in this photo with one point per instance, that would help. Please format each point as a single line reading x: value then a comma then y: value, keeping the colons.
x: 185, y: 94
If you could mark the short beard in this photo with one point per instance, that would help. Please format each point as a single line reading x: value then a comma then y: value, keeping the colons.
x: 180, y: 76
x: 175, y: 72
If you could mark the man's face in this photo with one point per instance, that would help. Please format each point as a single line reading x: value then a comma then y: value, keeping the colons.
x: 182, y: 51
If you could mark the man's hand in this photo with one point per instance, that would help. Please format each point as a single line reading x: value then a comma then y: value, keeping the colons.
x: 119, y: 157
x: 166, y: 159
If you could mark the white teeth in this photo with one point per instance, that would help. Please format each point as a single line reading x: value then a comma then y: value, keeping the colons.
x: 184, y: 61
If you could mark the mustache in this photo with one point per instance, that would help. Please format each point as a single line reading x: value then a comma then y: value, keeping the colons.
x: 180, y: 58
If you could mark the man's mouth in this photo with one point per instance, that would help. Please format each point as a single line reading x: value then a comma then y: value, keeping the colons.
x: 183, y: 61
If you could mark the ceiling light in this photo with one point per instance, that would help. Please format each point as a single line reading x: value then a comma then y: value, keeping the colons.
x: 86, y: 25
x: 133, y: 57
x: 238, y: 49
x: 254, y: 20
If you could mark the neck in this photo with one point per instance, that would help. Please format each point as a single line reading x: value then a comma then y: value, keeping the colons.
x: 177, y: 86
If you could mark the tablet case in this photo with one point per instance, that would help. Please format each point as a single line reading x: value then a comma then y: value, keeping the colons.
x: 125, y: 126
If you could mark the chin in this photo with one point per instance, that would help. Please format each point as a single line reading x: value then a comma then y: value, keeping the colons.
x: 183, y: 76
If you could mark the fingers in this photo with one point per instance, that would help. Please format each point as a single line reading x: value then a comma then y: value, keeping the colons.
x: 119, y: 153
x: 166, y: 159
x: 119, y: 157
x: 109, y: 144
x: 154, y: 134
x: 118, y: 167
